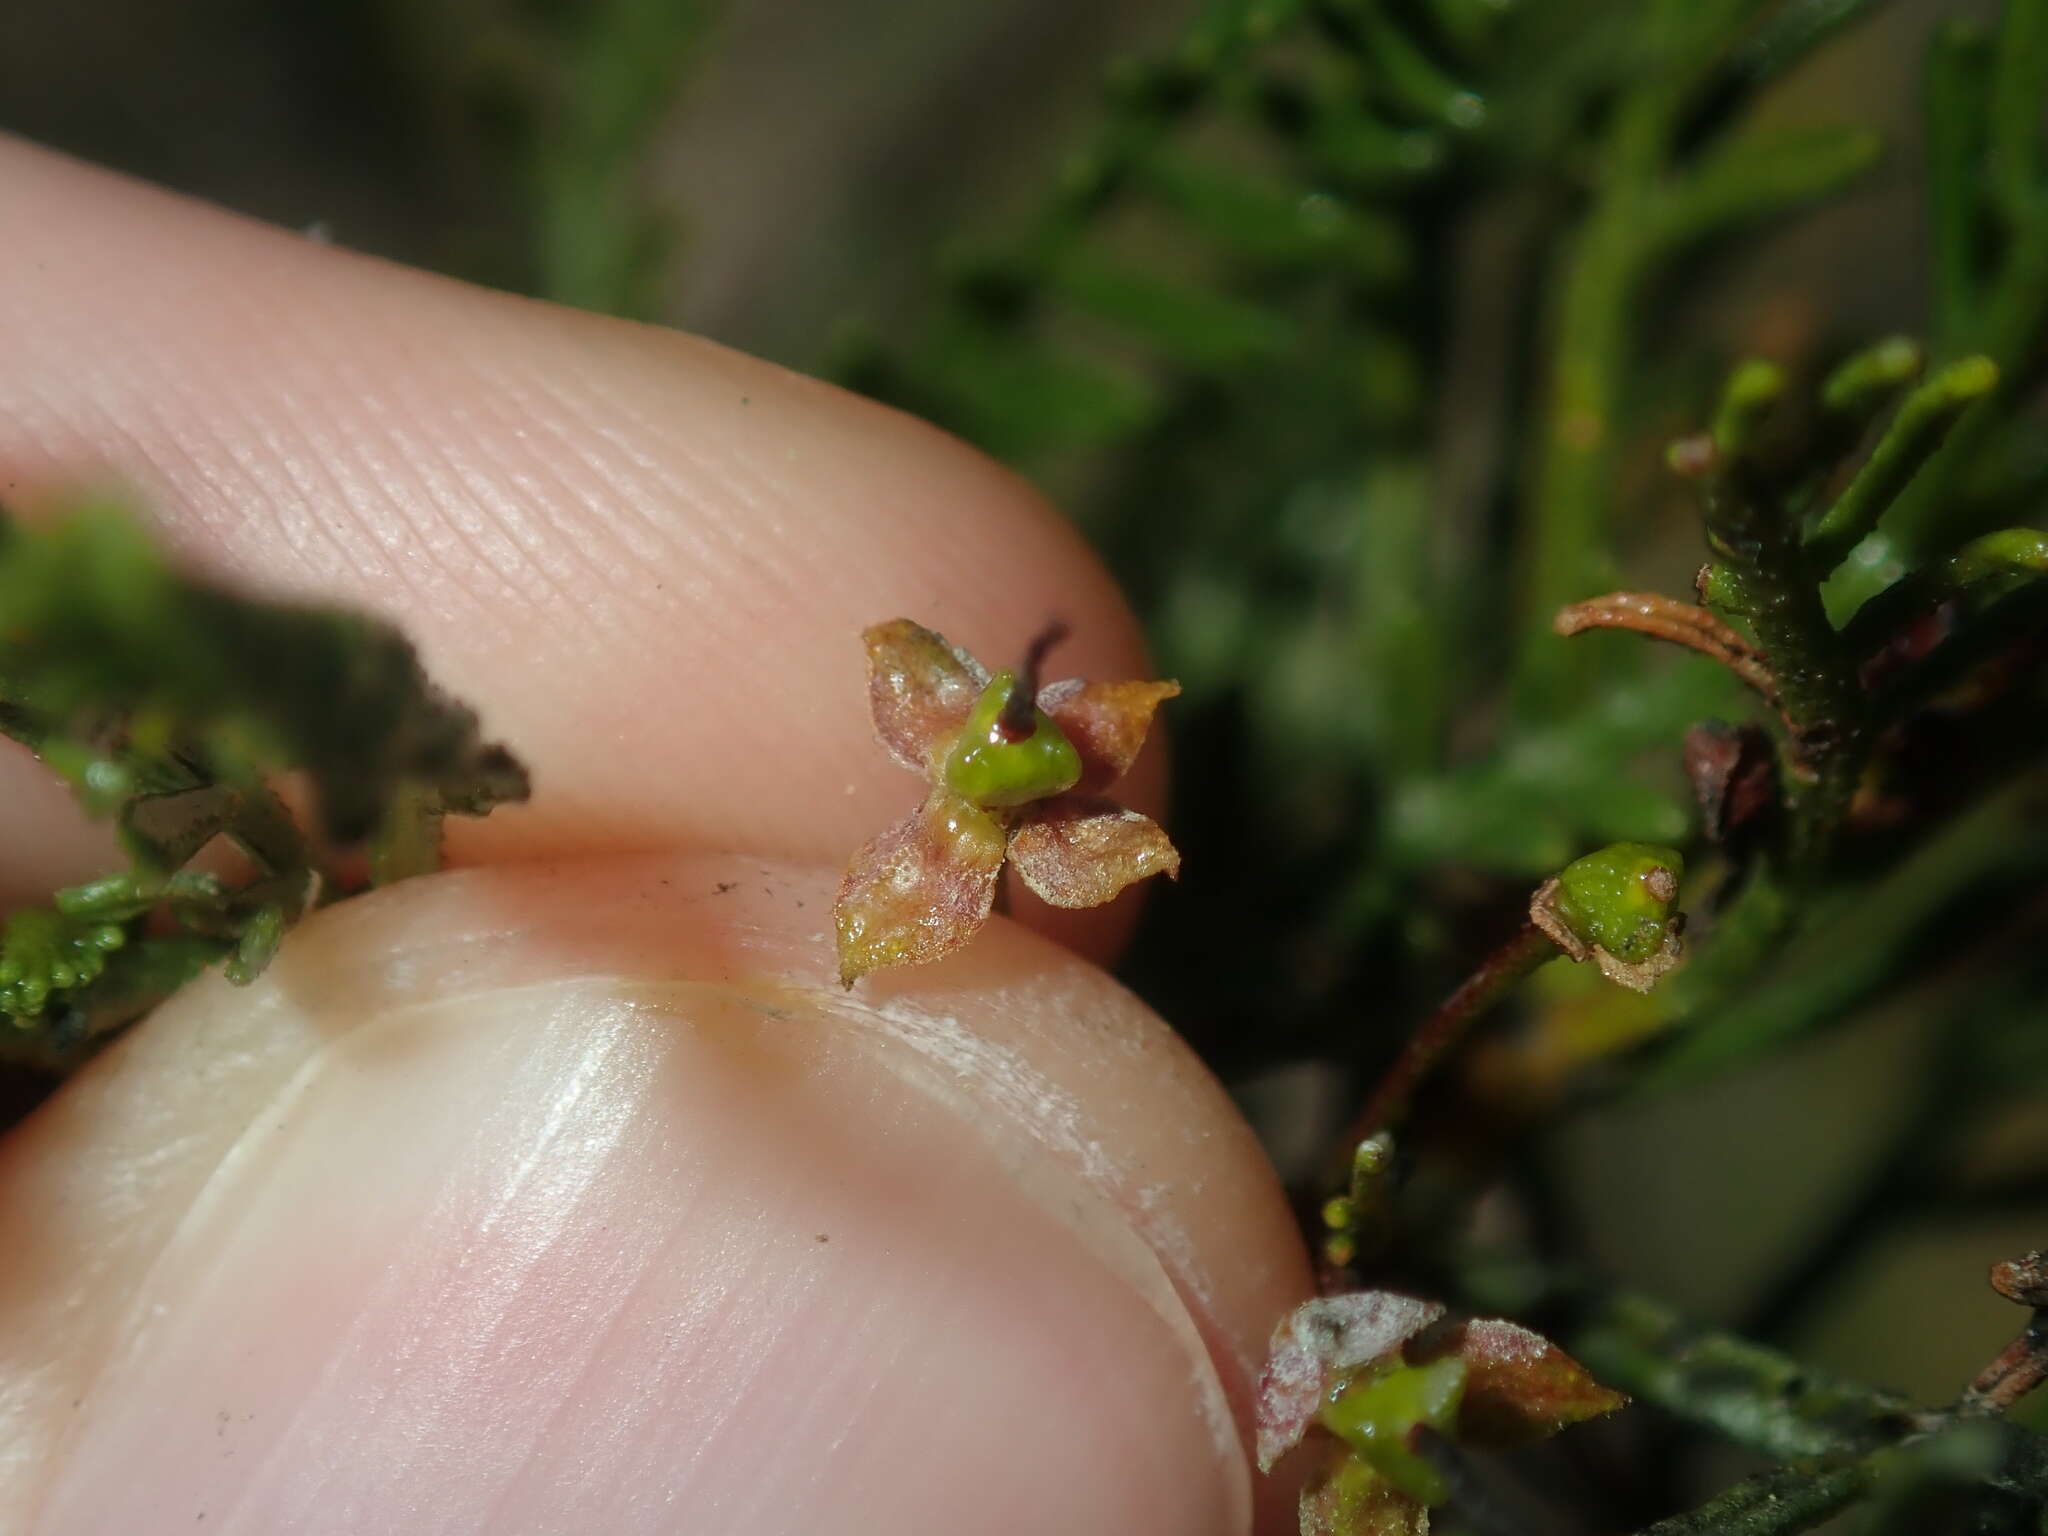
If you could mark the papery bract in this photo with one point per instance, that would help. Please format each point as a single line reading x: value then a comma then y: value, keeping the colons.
x: 1519, y: 1387
x: 1319, y: 1343
x: 1381, y: 1373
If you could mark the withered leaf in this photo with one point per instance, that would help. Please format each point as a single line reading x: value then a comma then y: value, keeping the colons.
x: 920, y: 688
x: 1733, y: 775
x: 921, y: 890
x: 1076, y: 852
x: 1319, y: 1341
x: 1519, y: 1387
x: 1107, y: 722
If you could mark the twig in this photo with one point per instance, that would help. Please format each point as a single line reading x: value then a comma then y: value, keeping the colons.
x: 1587, y: 387
x: 1497, y: 973
x: 2023, y: 1364
x: 1776, y: 1503
x: 1753, y: 1395
x: 2019, y: 1368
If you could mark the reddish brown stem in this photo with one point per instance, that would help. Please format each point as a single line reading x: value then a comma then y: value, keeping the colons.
x: 2023, y: 1364
x: 2019, y: 1368
x: 1390, y: 1100
x: 1665, y: 618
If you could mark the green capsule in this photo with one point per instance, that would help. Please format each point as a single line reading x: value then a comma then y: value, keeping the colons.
x: 991, y: 768
x: 1621, y: 897
x: 1378, y: 1412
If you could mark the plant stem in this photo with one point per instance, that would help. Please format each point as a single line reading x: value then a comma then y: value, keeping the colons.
x: 1957, y: 58
x: 1566, y: 556
x: 1763, y: 575
x: 1776, y: 1503
x: 1642, y: 215
x: 2023, y: 1364
x: 1853, y: 942
x: 2020, y: 1367
x: 1753, y: 1395
x: 1496, y: 975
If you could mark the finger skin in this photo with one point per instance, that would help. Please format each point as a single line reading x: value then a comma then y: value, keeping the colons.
x: 495, y: 1207
x: 578, y: 1197
x: 645, y: 558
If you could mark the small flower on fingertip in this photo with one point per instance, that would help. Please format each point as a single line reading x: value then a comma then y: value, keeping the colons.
x: 1015, y: 773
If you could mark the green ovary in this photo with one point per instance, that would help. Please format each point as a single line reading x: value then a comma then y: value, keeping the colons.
x: 1621, y: 897
x: 988, y: 770
x: 1378, y: 1413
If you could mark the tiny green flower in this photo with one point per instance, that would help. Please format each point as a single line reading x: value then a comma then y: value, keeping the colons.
x: 1015, y: 772
x: 1380, y: 1372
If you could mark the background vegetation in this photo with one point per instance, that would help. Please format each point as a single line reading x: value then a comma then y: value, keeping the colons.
x: 1353, y: 332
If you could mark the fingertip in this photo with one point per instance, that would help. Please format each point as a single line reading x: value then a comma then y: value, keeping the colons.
x: 581, y: 1197
x: 645, y: 558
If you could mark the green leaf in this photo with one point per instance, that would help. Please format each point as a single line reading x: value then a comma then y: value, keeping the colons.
x: 99, y: 627
x: 2019, y: 85
x: 1958, y: 74
x: 1995, y: 562
x: 1191, y: 325
x: 1405, y: 76
x: 1019, y: 399
x: 1915, y: 435
x: 1278, y: 223
x: 1866, y: 381
x: 1763, y: 176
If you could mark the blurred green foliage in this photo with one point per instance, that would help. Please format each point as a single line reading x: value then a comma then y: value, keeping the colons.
x: 1340, y: 304
x: 1352, y: 332
x: 174, y: 709
x: 1341, y: 334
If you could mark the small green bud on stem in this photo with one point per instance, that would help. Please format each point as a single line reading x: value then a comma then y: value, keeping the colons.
x: 1617, y: 906
x: 1010, y: 751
